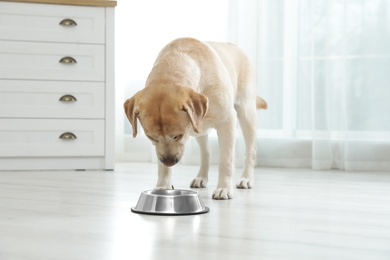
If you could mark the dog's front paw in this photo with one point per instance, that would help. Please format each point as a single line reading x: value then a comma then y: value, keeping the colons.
x: 198, y: 183
x: 222, y: 194
x: 244, y: 183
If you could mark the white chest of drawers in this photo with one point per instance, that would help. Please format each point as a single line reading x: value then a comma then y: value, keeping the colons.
x: 57, y: 84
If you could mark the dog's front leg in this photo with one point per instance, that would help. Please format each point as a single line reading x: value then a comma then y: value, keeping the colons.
x: 202, y: 178
x: 226, y: 140
x: 164, y: 177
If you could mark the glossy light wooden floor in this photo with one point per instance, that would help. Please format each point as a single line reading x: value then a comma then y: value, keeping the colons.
x: 290, y: 214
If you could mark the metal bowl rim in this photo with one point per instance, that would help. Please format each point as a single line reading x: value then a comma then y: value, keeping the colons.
x: 180, y: 193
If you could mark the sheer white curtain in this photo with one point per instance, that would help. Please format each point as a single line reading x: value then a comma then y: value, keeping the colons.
x: 322, y: 65
x: 325, y: 66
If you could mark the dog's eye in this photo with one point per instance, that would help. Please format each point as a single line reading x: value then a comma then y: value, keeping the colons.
x: 177, y: 137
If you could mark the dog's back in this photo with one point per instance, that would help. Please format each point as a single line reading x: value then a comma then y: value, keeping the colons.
x: 209, y: 65
x: 240, y: 70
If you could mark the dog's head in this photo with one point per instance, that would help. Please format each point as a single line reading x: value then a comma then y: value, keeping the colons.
x: 167, y: 116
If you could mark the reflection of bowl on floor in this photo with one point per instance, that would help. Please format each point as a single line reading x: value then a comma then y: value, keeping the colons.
x: 170, y: 202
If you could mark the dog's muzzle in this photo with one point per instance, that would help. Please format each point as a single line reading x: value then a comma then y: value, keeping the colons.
x: 169, y: 161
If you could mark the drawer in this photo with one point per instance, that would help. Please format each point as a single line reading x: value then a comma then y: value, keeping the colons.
x: 51, y: 99
x: 52, y: 23
x: 42, y: 137
x: 51, y: 61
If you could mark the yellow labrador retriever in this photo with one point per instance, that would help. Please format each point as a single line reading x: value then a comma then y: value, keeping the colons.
x: 195, y: 86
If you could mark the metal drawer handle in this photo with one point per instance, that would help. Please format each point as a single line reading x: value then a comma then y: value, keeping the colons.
x: 68, y: 98
x: 68, y: 136
x: 68, y: 22
x: 68, y: 60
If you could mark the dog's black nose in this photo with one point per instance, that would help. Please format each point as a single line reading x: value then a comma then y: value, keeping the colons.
x: 169, y: 161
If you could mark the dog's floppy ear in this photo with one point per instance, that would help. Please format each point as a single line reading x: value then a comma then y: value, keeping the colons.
x: 132, y: 112
x: 196, y: 107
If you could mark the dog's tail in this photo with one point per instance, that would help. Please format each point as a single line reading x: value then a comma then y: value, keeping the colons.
x: 260, y: 103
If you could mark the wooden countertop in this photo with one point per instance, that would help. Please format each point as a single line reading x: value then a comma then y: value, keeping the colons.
x: 69, y: 2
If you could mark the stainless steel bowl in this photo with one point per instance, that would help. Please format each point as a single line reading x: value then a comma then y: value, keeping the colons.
x: 170, y: 202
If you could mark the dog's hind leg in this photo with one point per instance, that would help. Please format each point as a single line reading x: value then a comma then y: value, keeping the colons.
x: 247, y: 117
x: 201, y: 179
